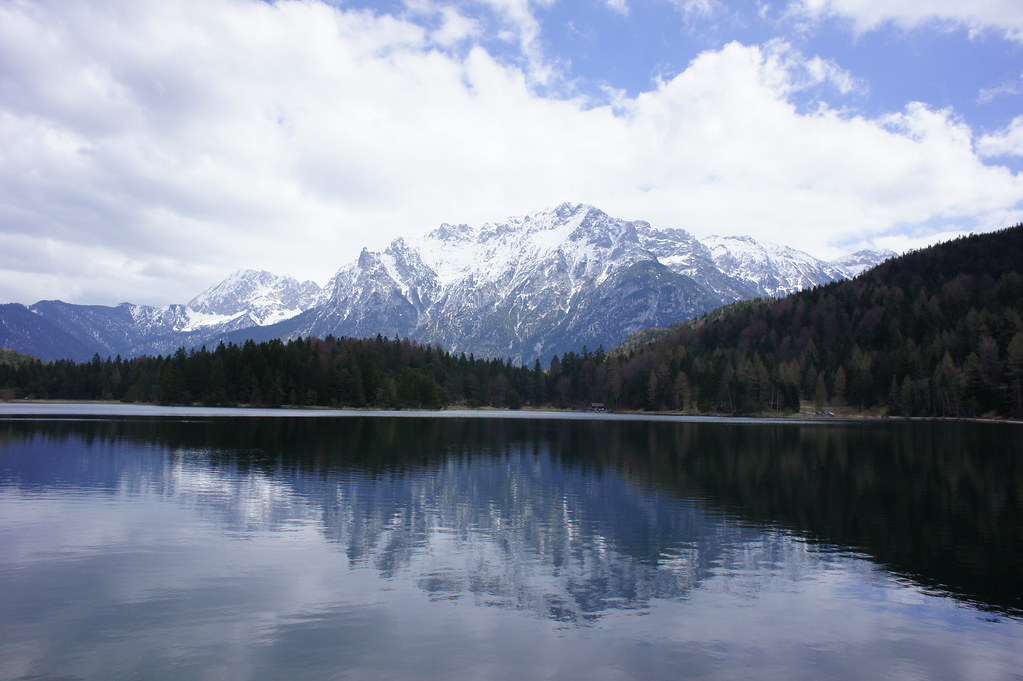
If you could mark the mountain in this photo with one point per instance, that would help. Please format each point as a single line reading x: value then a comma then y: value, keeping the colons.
x: 53, y: 329
x: 546, y: 283
x: 23, y: 330
x: 260, y: 297
x: 860, y: 261
x: 531, y: 287
x: 773, y: 269
x: 538, y: 285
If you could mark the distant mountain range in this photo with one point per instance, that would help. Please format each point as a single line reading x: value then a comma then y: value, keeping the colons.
x: 531, y: 287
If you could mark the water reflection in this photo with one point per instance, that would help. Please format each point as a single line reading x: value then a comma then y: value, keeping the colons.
x: 569, y: 520
x: 512, y: 527
x: 437, y: 549
x: 939, y: 503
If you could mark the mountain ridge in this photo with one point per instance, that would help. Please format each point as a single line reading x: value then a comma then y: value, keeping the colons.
x: 529, y: 287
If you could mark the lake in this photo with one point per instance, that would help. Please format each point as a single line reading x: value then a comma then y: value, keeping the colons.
x: 203, y: 544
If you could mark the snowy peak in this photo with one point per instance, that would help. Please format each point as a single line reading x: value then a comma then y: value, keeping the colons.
x: 452, y: 233
x: 577, y: 237
x: 263, y: 296
x: 856, y: 263
x: 172, y: 317
x: 775, y: 270
x: 417, y: 280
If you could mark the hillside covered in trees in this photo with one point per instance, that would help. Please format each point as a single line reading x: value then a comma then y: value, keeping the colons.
x: 938, y: 332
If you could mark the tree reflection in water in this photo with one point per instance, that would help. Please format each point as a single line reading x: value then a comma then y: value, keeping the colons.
x: 572, y: 519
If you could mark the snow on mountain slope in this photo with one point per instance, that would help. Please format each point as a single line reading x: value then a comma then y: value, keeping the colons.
x: 266, y: 298
x: 685, y: 254
x: 856, y: 263
x: 148, y: 318
x: 506, y: 254
x: 775, y: 270
x: 507, y: 288
x: 576, y: 246
x: 365, y: 299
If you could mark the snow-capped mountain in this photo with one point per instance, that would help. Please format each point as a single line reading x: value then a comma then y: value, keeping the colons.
x: 548, y: 282
x: 555, y: 280
x: 775, y: 270
x: 261, y: 296
x: 856, y: 263
x: 246, y: 299
x: 530, y: 287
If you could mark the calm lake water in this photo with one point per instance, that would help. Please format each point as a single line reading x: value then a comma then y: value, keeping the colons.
x: 374, y: 547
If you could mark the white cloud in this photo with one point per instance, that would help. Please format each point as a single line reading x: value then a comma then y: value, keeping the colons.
x: 522, y: 27
x: 796, y: 72
x: 702, y: 9
x: 1005, y: 142
x: 1013, y: 87
x: 1002, y: 16
x: 456, y: 28
x: 151, y: 148
x: 620, y: 6
x: 738, y: 158
x: 453, y: 28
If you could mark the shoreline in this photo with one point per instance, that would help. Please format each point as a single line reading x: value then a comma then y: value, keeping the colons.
x: 57, y: 409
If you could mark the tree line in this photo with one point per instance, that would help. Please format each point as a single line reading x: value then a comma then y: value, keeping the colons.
x: 334, y: 372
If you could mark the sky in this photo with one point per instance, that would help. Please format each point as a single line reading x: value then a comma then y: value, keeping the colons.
x: 150, y: 148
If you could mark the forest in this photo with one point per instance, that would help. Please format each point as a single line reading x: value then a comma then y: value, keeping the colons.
x: 937, y: 332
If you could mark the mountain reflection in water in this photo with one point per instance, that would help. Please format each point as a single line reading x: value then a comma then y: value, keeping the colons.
x: 439, y: 548
x: 937, y: 503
